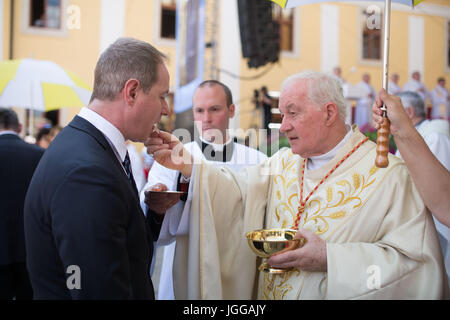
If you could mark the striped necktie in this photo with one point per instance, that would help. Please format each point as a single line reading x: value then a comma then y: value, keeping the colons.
x: 127, y: 165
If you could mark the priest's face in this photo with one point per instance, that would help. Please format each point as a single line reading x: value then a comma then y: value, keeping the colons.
x: 211, y: 113
x: 303, y: 122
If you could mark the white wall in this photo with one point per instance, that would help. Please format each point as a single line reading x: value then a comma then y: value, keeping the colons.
x: 329, y: 37
x: 112, y: 22
x: 416, y: 45
x: 230, y: 52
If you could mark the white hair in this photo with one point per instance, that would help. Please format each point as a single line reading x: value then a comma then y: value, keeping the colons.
x: 322, y: 89
x: 413, y: 100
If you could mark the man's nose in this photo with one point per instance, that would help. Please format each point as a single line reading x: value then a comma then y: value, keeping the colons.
x: 285, y: 125
x: 165, y: 111
x: 207, y: 117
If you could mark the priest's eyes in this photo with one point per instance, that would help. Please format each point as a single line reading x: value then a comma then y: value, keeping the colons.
x: 290, y: 114
x: 212, y: 109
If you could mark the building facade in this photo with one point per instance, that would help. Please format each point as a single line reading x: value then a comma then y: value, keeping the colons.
x: 73, y: 33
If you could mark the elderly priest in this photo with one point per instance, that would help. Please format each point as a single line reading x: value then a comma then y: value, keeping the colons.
x: 368, y: 234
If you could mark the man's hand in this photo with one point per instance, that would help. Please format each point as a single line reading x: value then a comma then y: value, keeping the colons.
x: 160, y: 202
x: 169, y: 152
x: 399, y: 119
x: 311, y: 257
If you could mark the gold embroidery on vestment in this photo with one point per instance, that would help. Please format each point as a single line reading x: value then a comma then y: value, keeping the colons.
x: 276, y: 286
x: 325, y: 208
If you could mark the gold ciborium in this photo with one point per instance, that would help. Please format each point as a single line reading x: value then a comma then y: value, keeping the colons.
x: 267, y: 242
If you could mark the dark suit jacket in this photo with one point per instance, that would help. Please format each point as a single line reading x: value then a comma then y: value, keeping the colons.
x: 18, y: 160
x: 81, y: 211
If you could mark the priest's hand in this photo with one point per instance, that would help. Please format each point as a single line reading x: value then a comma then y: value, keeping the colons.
x: 311, y: 257
x: 169, y: 152
x: 160, y: 202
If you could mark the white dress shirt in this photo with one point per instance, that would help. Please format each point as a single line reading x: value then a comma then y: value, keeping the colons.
x: 111, y: 133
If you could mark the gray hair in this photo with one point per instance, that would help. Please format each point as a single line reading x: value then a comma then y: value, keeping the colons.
x: 125, y: 59
x: 413, y: 100
x: 322, y: 89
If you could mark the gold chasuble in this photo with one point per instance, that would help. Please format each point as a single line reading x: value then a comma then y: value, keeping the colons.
x: 381, y: 241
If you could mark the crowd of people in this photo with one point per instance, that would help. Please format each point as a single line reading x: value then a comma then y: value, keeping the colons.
x: 85, y: 216
x: 438, y: 99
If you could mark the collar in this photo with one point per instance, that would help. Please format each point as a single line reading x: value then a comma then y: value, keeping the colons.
x: 224, y: 154
x: 418, y: 124
x: 111, y: 133
x: 8, y: 132
x: 216, y: 146
x: 317, y: 162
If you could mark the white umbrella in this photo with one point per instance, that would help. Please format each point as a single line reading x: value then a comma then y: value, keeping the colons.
x: 40, y: 85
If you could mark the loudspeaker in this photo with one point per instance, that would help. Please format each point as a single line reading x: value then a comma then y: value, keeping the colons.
x: 259, y: 33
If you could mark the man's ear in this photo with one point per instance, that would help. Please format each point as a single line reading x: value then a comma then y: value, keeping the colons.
x: 231, y: 109
x: 19, y: 128
x: 130, y: 91
x: 410, y: 112
x: 332, y: 112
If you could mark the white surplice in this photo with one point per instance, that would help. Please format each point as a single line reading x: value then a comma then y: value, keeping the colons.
x: 381, y: 241
x: 363, y: 113
x: 418, y: 87
x: 441, y: 103
x: 394, y: 88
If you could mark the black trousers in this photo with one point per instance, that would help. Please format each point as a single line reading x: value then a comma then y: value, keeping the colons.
x: 14, y: 282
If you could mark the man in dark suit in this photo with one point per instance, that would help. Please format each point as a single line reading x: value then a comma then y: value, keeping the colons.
x: 86, y: 235
x: 18, y: 160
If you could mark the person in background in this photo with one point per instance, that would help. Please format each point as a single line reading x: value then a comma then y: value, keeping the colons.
x: 148, y: 162
x: 363, y: 105
x: 440, y: 98
x: 436, y: 135
x: 394, y: 87
x: 415, y: 85
x: 54, y: 131
x: 46, y: 135
x: 266, y: 103
x: 213, y: 108
x: 337, y: 72
x: 43, y: 137
x: 18, y: 160
x: 430, y: 176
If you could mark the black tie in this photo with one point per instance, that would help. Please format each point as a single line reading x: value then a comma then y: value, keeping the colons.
x: 127, y: 165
